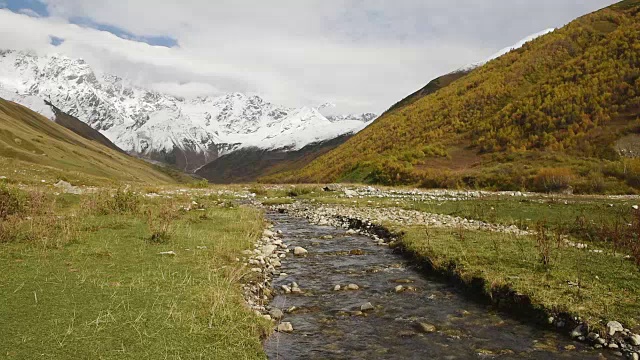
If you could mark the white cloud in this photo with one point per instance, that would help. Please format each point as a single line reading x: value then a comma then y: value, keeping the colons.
x: 361, y: 55
x: 29, y: 12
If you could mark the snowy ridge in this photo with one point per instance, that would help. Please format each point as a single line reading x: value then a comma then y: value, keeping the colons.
x: 148, y: 123
x: 504, y: 51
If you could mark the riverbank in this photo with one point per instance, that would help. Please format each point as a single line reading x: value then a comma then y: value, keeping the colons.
x: 581, y: 290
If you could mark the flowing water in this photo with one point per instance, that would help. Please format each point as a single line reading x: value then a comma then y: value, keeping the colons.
x: 328, y: 324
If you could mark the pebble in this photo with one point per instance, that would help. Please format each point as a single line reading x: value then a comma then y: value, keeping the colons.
x: 399, y: 289
x: 367, y: 307
x: 337, y: 288
x: 426, y: 328
x: 635, y: 340
x: 285, y: 327
x: 578, y: 331
x: 300, y: 251
x: 353, y: 287
x: 276, y: 314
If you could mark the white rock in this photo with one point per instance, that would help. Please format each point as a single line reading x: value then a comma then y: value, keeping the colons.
x: 367, y: 307
x: 268, y: 249
x: 170, y: 253
x: 285, y: 327
x: 613, y: 327
x: 300, y: 251
x: 353, y: 287
x: 337, y: 288
x: 268, y: 233
x: 635, y: 340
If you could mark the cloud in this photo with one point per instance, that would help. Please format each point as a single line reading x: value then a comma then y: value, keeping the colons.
x: 363, y: 55
x: 29, y: 12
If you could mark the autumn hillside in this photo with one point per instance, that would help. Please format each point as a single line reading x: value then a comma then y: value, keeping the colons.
x: 560, y: 113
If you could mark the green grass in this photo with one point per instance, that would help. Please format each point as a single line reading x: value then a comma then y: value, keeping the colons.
x: 33, y: 148
x: 106, y: 293
x: 609, y: 285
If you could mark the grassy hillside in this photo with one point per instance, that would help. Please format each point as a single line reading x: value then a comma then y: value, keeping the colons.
x: 33, y: 148
x: 545, y: 117
x: 77, y: 126
x: 247, y: 165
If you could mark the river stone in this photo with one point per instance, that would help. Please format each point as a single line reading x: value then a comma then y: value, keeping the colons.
x: 613, y: 327
x: 613, y: 346
x: 268, y: 233
x: 367, y: 307
x: 427, y: 328
x: 635, y: 356
x: 276, y: 314
x: 578, y: 331
x: 351, y: 232
x: 353, y: 287
x: 399, y: 289
x: 337, y: 288
x: 285, y: 327
x: 635, y: 340
x: 267, y: 250
x: 300, y: 251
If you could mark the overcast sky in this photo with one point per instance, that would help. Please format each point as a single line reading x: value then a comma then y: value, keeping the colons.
x: 363, y: 55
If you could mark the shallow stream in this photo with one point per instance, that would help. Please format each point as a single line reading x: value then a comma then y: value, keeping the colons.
x: 329, y: 324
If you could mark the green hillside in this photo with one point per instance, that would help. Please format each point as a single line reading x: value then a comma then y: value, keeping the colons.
x: 547, y: 117
x: 33, y: 148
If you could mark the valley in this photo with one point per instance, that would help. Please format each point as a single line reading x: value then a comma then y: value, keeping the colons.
x: 155, y: 205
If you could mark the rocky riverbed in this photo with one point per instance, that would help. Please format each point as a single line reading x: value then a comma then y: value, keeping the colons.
x: 344, y: 296
x: 332, y: 215
x: 621, y: 341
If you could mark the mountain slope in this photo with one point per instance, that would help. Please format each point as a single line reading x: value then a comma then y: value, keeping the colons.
x: 31, y: 144
x: 561, y: 101
x: 81, y: 128
x: 248, y: 164
x: 185, y: 132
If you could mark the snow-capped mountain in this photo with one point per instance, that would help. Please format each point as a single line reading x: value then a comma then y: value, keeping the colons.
x: 185, y: 132
x: 504, y: 51
x: 329, y: 111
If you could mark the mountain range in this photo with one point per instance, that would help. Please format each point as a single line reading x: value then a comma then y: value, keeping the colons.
x: 187, y: 133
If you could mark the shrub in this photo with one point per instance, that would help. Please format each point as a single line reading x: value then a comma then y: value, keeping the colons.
x: 12, y: 202
x: 299, y: 191
x: 200, y: 184
x: 553, y: 180
x: 160, y: 223
x: 121, y: 202
x: 50, y: 231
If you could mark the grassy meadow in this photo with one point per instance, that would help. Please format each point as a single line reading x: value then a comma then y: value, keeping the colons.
x: 82, y: 276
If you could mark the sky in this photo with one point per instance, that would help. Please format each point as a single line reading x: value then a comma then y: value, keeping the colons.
x: 362, y: 55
